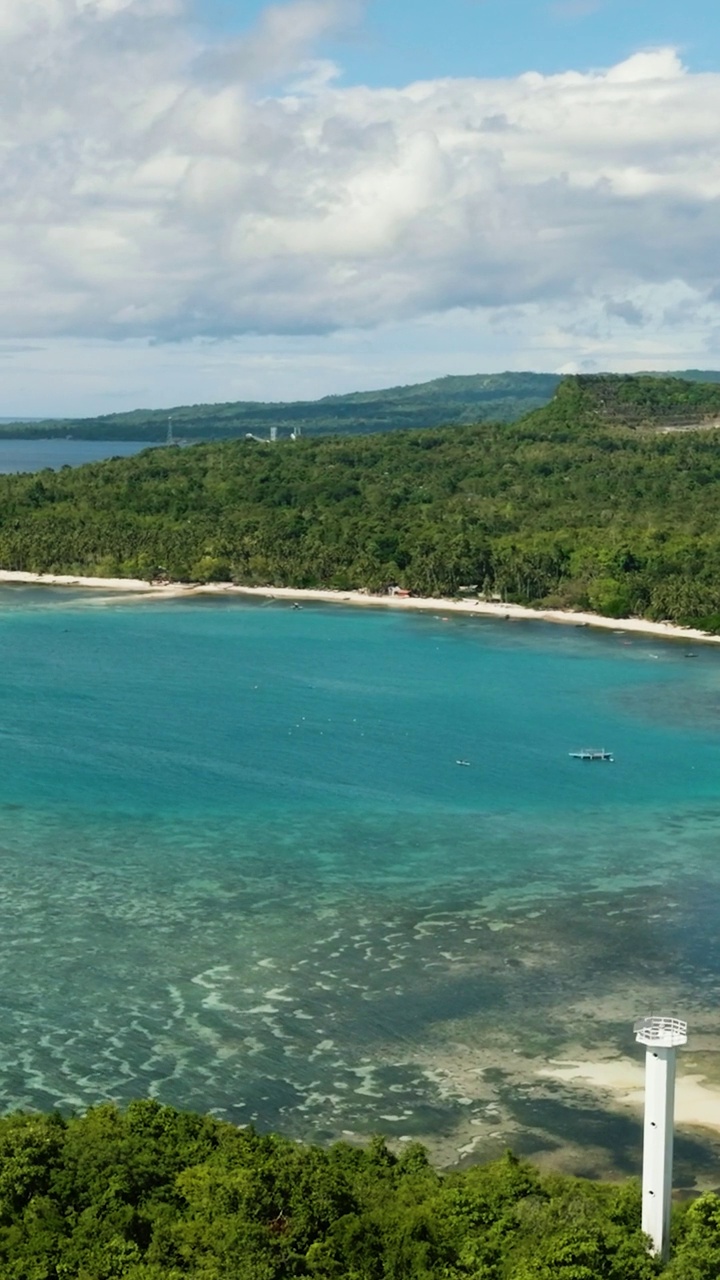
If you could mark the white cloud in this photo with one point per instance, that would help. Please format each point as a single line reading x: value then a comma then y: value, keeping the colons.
x: 280, y: 39
x: 150, y: 188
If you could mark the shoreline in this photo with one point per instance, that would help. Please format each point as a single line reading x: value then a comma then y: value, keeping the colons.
x: 609, y: 1087
x: 697, y: 1101
x: 472, y: 608
x: 573, y: 1107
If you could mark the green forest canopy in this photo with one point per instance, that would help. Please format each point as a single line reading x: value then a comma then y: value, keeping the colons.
x: 570, y: 507
x: 152, y: 1193
x: 454, y: 400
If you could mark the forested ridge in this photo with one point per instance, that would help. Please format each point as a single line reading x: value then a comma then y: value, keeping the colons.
x: 459, y: 400
x: 570, y: 507
x: 151, y: 1193
x: 500, y: 397
x: 639, y: 400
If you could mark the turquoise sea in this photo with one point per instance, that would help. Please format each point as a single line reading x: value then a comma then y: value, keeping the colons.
x: 242, y: 871
x: 34, y: 455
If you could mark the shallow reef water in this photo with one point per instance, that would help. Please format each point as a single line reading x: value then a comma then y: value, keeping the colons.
x: 241, y: 871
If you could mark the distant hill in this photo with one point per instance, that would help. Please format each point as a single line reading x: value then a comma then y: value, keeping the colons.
x: 22, y: 420
x: 688, y: 375
x: 449, y: 401
x: 501, y: 397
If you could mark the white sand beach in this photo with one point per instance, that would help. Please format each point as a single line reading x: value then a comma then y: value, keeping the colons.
x: 476, y: 608
x: 697, y: 1104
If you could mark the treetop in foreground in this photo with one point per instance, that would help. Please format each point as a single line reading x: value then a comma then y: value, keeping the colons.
x: 152, y: 1193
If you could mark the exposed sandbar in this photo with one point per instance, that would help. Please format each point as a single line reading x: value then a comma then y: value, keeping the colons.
x: 696, y: 1102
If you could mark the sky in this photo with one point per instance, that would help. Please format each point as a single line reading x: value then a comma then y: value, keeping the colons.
x: 212, y: 200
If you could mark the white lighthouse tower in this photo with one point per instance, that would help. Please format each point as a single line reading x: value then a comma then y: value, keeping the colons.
x: 661, y: 1037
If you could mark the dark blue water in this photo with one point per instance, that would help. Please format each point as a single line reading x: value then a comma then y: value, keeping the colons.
x: 241, y: 869
x: 35, y: 455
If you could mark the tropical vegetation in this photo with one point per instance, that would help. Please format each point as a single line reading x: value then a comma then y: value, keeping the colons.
x: 498, y: 397
x: 608, y: 499
x: 454, y: 400
x: 152, y: 1193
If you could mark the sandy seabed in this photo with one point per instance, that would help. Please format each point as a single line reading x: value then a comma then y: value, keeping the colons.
x: 477, y: 608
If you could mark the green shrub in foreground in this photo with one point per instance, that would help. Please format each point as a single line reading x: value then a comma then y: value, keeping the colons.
x: 151, y: 1193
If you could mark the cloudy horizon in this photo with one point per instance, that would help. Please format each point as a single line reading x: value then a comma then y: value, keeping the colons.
x: 214, y: 212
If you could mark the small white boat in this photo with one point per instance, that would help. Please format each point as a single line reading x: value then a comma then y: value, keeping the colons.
x: 592, y: 753
x: 464, y: 763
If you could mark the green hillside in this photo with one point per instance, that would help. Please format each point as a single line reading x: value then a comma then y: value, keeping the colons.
x: 501, y: 397
x: 640, y: 400
x: 450, y: 401
x: 573, y: 506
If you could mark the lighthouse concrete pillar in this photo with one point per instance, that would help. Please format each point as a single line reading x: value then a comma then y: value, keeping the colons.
x: 661, y: 1037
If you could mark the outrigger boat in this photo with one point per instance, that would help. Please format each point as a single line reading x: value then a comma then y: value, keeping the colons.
x: 592, y: 753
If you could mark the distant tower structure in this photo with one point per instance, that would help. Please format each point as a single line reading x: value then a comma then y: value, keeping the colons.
x: 170, y: 439
x: 661, y: 1037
